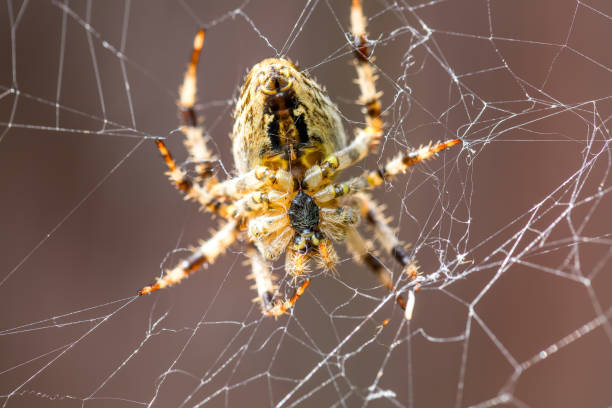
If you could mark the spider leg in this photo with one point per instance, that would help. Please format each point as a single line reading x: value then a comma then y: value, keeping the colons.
x: 252, y: 203
x: 281, y: 307
x: 212, y: 196
x: 334, y: 222
x: 366, y: 72
x: 296, y: 262
x: 265, y: 225
x: 359, y: 247
x: 369, y: 136
x: 403, y: 161
x: 264, y: 280
x: 327, y: 256
x: 375, y: 218
x: 373, y: 214
x: 188, y: 186
x: 266, y: 289
x: 204, y: 255
x: 280, y: 180
x: 195, y: 141
x: 374, y: 178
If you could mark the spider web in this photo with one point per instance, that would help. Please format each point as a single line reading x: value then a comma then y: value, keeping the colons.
x: 512, y: 231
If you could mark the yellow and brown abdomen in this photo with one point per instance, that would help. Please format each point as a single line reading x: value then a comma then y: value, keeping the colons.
x: 283, y: 116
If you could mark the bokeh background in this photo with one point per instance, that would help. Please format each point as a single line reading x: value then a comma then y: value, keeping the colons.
x: 516, y: 223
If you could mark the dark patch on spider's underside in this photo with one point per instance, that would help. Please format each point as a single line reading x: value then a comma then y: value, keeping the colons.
x: 303, y: 213
x: 282, y: 105
x: 302, y: 128
x: 273, y: 129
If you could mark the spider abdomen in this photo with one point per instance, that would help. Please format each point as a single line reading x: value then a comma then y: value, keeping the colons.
x: 283, y: 119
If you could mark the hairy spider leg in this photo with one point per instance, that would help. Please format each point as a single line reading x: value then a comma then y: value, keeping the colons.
x: 256, y: 201
x: 266, y: 289
x: 403, y: 161
x: 366, y: 76
x: 328, y: 256
x: 375, y: 218
x: 375, y: 178
x: 204, y: 255
x: 362, y: 254
x: 281, y: 308
x: 195, y: 142
x: 369, y: 136
x: 280, y: 180
x: 264, y: 279
x: 181, y: 180
x: 189, y: 187
x: 264, y: 225
x: 335, y: 221
x: 373, y: 214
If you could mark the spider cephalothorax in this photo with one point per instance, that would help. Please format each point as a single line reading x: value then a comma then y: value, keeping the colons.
x: 303, y: 213
x: 289, y: 147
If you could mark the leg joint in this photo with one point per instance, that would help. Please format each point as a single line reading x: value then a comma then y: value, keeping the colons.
x: 361, y: 49
x: 188, y: 117
x: 400, y: 254
x: 194, y: 261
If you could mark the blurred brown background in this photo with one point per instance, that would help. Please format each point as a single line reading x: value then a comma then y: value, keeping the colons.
x: 87, y: 216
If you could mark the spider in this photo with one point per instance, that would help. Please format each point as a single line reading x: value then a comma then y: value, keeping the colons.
x: 289, y: 147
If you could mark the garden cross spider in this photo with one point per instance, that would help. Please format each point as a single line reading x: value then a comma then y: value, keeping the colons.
x: 289, y: 146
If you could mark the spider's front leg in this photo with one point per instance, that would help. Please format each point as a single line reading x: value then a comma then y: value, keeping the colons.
x: 401, y: 163
x: 372, y: 179
x: 204, y: 255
